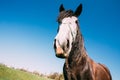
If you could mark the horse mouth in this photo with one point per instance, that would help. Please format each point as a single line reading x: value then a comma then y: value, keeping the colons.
x: 60, y: 56
x: 60, y: 53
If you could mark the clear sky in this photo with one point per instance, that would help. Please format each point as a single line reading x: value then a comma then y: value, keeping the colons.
x: 28, y: 28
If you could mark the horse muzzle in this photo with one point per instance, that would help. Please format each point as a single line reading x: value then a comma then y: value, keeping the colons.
x: 59, y: 51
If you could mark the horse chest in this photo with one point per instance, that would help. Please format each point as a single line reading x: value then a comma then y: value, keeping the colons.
x: 77, y: 72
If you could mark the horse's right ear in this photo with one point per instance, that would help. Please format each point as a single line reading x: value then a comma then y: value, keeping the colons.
x: 78, y: 10
x: 61, y: 8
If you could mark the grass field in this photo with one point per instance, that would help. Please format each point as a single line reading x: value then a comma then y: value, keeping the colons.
x: 7, y: 73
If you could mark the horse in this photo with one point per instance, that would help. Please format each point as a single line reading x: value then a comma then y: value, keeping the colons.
x: 69, y: 45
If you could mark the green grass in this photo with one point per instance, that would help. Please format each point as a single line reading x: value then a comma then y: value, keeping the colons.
x: 7, y: 73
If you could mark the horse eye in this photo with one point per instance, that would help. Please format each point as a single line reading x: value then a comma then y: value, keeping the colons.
x: 76, y: 22
x: 59, y: 22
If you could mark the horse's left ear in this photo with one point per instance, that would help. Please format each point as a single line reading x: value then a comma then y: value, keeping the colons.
x: 78, y: 10
x: 61, y: 8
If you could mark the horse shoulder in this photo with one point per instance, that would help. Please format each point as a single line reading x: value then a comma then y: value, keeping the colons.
x: 106, y: 71
x: 101, y: 72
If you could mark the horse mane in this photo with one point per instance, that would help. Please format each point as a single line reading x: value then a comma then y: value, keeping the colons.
x: 78, y: 50
x: 63, y: 14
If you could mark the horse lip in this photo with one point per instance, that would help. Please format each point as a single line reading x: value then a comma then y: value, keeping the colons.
x: 60, y: 56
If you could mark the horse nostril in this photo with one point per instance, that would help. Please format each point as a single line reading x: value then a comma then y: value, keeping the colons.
x: 55, y: 44
x: 67, y: 43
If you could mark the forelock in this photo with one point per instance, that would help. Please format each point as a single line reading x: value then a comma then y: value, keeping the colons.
x: 64, y: 14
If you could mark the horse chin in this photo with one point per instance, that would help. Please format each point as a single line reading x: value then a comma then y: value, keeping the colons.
x: 60, y: 56
x: 64, y: 55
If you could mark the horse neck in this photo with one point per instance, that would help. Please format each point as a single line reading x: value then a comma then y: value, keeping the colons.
x: 78, y: 52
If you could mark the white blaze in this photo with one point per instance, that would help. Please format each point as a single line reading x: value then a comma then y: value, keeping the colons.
x: 67, y: 31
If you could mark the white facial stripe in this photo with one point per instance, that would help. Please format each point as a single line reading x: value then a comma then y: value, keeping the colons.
x: 71, y: 21
x: 62, y: 34
x: 67, y: 31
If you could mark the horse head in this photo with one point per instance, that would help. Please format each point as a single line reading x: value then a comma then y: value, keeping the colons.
x: 67, y: 31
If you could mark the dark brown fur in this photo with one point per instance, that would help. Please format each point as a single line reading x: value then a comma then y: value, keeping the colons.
x: 79, y: 66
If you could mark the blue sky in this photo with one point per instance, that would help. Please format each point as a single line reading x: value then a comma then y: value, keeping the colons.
x: 28, y: 28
